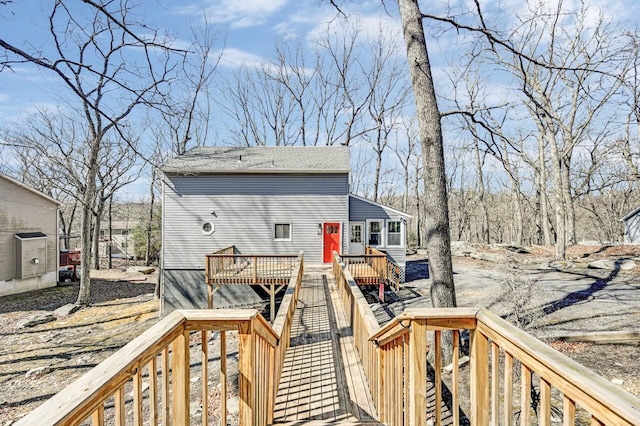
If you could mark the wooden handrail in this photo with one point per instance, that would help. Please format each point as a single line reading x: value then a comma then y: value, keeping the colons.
x: 386, y: 271
x: 396, y: 369
x: 227, y: 250
x: 260, y: 358
x: 606, y: 401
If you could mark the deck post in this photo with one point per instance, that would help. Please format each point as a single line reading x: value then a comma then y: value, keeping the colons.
x: 180, y: 379
x: 255, y: 269
x: 479, y: 352
x: 418, y: 372
x: 246, y: 358
x: 272, y: 306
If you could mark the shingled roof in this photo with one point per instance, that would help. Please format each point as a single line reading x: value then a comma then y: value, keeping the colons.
x: 264, y: 159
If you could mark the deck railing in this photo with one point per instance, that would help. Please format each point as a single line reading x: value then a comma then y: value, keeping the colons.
x: 513, y: 376
x: 271, y: 272
x: 251, y: 269
x: 372, y: 267
x: 113, y: 391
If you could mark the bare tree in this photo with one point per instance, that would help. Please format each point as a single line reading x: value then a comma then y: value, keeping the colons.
x: 429, y: 119
x: 184, y: 115
x: 111, y: 65
x: 566, y: 101
x: 389, y: 95
x: 117, y: 169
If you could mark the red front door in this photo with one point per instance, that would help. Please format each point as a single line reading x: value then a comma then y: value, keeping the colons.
x: 330, y: 240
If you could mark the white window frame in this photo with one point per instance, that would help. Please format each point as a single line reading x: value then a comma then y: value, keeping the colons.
x: 382, y: 232
x: 401, y: 232
x: 290, y: 231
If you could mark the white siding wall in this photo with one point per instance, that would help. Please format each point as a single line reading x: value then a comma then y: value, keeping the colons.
x: 243, y: 209
x: 24, y: 211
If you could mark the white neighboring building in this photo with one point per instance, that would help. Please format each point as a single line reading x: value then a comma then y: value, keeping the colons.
x: 29, y: 247
x: 632, y: 227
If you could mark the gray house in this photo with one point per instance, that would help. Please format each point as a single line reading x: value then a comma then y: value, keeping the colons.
x: 632, y: 227
x: 28, y: 238
x: 264, y: 200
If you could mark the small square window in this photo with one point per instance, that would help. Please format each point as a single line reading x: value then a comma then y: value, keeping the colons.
x: 282, y: 231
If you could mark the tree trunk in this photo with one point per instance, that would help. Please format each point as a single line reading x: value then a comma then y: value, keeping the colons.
x: 110, y: 244
x: 96, y: 234
x: 436, y: 208
x: 544, y: 211
x: 84, y: 294
x: 561, y: 237
x: 152, y: 196
x: 484, y: 211
x: 376, y: 177
x: 568, y: 201
x: 418, y: 215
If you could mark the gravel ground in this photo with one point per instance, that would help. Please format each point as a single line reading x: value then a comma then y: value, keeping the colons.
x: 575, y: 300
x: 37, y: 362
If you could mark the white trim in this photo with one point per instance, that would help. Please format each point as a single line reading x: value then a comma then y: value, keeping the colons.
x: 290, y: 231
x: 630, y: 214
x: 363, y: 235
x: 391, y: 209
x: 22, y: 185
x: 402, y: 234
x: 382, y: 233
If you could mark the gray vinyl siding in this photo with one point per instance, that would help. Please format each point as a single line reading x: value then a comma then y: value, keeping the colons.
x: 632, y: 229
x: 23, y: 211
x: 244, y: 209
x: 360, y: 211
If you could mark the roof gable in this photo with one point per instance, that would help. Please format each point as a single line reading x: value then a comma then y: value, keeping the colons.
x: 28, y: 188
x: 631, y: 214
x: 374, y: 203
x: 265, y: 159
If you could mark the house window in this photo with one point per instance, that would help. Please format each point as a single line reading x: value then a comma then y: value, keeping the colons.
x: 282, y: 232
x: 374, y: 228
x: 394, y: 233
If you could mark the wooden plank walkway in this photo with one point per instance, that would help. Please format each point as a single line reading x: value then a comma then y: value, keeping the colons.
x: 322, y: 379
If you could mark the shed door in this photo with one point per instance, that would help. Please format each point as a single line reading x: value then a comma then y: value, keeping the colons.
x: 356, y: 238
x: 330, y: 240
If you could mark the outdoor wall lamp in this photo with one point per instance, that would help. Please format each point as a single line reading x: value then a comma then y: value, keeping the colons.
x: 319, y: 229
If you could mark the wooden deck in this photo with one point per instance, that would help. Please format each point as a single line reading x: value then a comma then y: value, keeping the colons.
x: 365, y: 274
x: 322, y: 378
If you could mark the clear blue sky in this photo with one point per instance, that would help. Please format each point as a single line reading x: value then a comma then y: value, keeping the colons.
x: 251, y: 29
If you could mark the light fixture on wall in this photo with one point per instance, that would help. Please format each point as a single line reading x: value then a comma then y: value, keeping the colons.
x: 319, y: 229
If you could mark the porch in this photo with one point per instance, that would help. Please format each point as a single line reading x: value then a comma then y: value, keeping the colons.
x: 372, y: 267
x: 304, y: 368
